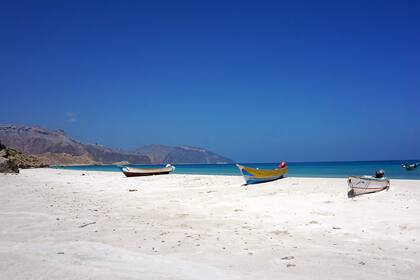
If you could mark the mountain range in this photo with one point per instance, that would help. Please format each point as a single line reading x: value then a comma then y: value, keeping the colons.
x: 54, y: 147
x: 184, y: 154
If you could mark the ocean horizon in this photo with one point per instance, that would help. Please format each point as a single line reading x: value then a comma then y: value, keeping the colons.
x: 334, y: 169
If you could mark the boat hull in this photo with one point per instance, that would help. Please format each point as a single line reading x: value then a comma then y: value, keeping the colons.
x: 360, y: 185
x: 136, y: 172
x: 411, y: 167
x: 256, y: 176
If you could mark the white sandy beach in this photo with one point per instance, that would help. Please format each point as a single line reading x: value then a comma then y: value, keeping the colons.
x: 60, y: 224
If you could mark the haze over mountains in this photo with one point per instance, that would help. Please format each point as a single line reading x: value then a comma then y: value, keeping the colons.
x: 184, y: 154
x: 54, y: 147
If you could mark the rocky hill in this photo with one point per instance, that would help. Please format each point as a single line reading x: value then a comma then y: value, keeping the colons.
x: 56, y: 148
x: 168, y: 154
x: 11, y: 160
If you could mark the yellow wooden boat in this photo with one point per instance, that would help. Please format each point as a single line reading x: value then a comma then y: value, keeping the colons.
x: 254, y: 176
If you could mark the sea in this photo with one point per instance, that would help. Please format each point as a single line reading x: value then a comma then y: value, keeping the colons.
x: 342, y: 169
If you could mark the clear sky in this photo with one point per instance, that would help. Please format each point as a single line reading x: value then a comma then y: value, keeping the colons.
x: 251, y: 80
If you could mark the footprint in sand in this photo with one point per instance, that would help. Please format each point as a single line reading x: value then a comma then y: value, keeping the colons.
x: 322, y: 213
x: 280, y: 232
x: 182, y: 215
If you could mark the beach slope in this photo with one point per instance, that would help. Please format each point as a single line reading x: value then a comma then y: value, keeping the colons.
x: 63, y: 224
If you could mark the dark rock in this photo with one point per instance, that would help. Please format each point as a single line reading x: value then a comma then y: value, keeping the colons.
x: 8, y: 166
x: 12, y: 160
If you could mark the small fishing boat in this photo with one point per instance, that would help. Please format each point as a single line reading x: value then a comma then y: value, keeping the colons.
x: 254, y: 176
x: 134, y: 172
x: 367, y: 184
x: 411, y: 166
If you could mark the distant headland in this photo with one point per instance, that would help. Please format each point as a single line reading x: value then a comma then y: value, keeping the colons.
x: 54, y: 147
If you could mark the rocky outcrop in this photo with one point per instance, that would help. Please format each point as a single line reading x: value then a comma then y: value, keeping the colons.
x: 11, y: 160
x: 167, y: 154
x: 56, y: 148
x: 8, y: 166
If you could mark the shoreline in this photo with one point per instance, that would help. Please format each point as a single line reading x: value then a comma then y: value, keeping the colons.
x: 235, y: 175
x: 57, y: 223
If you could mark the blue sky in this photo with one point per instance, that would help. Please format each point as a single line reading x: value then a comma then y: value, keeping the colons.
x: 252, y: 80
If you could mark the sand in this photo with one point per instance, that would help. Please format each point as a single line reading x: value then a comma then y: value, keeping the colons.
x: 62, y: 224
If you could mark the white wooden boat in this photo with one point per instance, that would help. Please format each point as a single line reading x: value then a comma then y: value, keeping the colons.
x: 366, y: 184
x: 133, y: 172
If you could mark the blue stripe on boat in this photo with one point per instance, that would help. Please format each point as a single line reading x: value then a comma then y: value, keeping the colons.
x: 254, y: 180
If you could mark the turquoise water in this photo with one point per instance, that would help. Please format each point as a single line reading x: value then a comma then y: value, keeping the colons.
x: 392, y: 169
